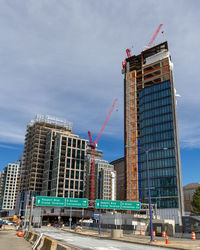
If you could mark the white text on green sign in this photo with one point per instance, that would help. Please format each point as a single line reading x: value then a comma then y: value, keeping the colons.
x: 61, y: 202
x: 118, y: 205
x: 108, y: 204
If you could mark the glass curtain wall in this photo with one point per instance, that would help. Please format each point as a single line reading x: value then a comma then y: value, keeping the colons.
x: 156, y: 131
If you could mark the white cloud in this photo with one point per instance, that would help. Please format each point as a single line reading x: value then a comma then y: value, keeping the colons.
x: 63, y: 58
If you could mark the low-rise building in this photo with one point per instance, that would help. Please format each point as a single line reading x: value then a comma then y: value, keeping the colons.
x: 188, y: 191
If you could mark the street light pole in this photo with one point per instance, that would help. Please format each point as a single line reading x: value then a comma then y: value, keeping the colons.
x: 149, y: 195
x: 148, y: 179
x: 100, y: 202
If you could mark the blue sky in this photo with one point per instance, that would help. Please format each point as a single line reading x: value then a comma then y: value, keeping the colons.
x: 63, y: 58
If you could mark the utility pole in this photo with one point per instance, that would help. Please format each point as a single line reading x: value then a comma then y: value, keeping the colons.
x: 100, y: 179
x: 70, y: 219
x: 31, y: 213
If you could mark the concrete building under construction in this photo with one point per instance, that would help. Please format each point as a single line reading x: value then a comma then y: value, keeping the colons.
x: 34, y: 149
x: 150, y: 122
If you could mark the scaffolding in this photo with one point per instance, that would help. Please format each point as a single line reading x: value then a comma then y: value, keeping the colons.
x: 131, y: 136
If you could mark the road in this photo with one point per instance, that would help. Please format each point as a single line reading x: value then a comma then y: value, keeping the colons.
x: 10, y: 241
x: 88, y: 242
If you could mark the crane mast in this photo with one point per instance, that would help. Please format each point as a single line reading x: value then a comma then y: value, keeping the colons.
x: 93, y: 145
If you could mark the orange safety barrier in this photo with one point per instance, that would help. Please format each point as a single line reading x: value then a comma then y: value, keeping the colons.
x: 141, y: 232
x: 163, y: 234
x: 166, y: 241
x: 20, y: 234
x: 154, y: 233
x: 193, y: 236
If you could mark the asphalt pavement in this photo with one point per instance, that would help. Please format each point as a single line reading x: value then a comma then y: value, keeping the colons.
x: 88, y: 242
x: 10, y: 241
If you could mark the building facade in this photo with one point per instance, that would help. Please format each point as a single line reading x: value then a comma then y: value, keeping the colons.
x: 119, y: 167
x: 105, y: 177
x: 151, y: 125
x: 9, y: 186
x: 34, y: 150
x: 68, y: 166
x: 188, y: 191
x: 2, y: 181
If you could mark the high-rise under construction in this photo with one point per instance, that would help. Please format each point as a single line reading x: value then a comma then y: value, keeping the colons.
x: 150, y: 123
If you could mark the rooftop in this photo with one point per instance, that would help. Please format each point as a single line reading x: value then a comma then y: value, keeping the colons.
x: 193, y: 185
x: 51, y: 120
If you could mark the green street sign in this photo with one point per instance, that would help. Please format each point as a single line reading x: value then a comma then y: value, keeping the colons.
x: 50, y: 201
x: 119, y: 205
x: 108, y: 204
x: 61, y: 202
x: 130, y: 205
x: 76, y: 202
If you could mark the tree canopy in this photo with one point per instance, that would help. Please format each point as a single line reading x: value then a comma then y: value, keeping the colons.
x: 196, y: 201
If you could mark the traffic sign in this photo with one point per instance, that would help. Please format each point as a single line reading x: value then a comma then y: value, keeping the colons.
x: 61, y: 202
x: 76, y: 202
x: 108, y: 204
x: 119, y: 205
x: 50, y: 201
x: 130, y: 205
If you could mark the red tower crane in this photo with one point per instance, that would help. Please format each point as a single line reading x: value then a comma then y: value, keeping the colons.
x: 128, y: 52
x: 154, y: 36
x: 93, y: 145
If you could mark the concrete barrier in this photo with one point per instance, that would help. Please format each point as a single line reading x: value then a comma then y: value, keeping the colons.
x: 29, y: 236
x: 25, y: 235
x: 63, y: 247
x: 42, y: 242
x: 47, y: 244
x: 34, y: 238
x: 116, y: 233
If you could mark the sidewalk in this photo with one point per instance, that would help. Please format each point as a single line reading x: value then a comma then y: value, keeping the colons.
x: 10, y: 241
x: 174, y: 243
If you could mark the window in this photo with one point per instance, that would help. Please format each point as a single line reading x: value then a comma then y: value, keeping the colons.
x: 82, y: 154
x: 69, y: 142
x: 82, y: 165
x: 83, y: 144
x: 73, y: 164
x: 67, y: 184
x: 74, y: 143
x: 77, y: 164
x: 68, y: 163
x: 78, y: 153
x: 68, y: 152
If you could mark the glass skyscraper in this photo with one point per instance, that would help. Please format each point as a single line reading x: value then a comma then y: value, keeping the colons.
x: 151, y: 125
